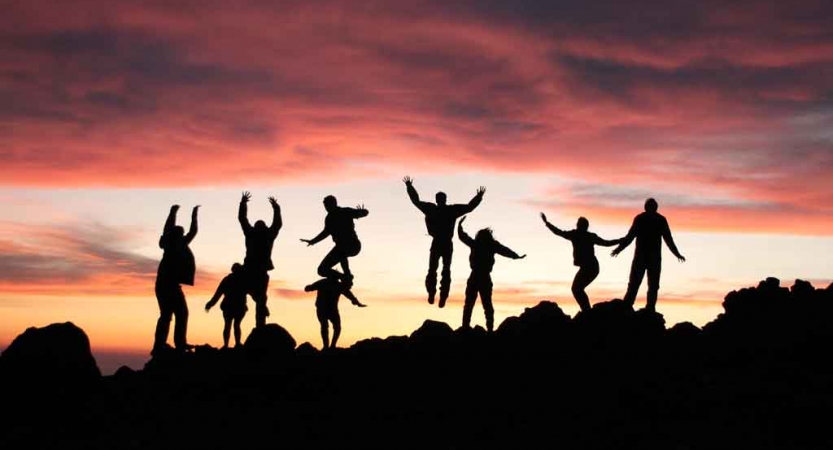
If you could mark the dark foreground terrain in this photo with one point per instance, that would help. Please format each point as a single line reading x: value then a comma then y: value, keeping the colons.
x: 758, y: 376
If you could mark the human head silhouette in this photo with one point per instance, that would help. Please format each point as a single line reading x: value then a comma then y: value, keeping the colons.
x: 441, y: 198
x: 651, y: 205
x: 484, y: 235
x: 330, y: 203
x: 177, y: 232
x: 582, y: 224
x: 236, y: 268
x: 260, y: 225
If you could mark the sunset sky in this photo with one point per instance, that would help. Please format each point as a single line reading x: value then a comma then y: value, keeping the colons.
x: 112, y: 111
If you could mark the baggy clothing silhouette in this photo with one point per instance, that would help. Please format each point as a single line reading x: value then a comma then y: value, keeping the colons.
x: 326, y: 306
x: 649, y: 229
x: 481, y: 260
x: 339, y: 224
x: 233, y: 291
x: 176, y: 267
x: 440, y: 220
x: 260, y: 240
x: 584, y: 257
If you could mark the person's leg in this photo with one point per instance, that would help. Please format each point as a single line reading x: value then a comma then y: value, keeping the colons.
x: 637, y: 272
x: 226, y: 329
x: 180, y: 308
x: 471, y: 297
x: 335, y: 318
x: 348, y: 251
x: 654, y: 269
x: 258, y: 286
x: 585, y: 275
x: 485, y: 288
x: 325, y: 327
x: 431, y: 276
x: 237, y: 333
x: 163, y: 325
x: 445, y: 281
x: 325, y: 269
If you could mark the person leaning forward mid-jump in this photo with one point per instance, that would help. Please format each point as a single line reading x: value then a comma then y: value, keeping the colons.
x: 259, y: 242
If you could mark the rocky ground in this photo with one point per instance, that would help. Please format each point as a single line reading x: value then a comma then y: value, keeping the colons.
x: 756, y: 377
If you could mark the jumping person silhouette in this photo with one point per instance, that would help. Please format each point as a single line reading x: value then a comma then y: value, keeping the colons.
x: 340, y: 226
x: 176, y: 267
x: 326, y: 306
x: 482, y: 259
x: 233, y: 291
x: 259, y: 242
x: 439, y: 220
x: 649, y: 229
x: 584, y: 256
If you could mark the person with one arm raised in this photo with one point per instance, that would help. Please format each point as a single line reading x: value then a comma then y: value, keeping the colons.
x: 326, y: 306
x: 440, y: 218
x: 584, y: 256
x: 484, y: 247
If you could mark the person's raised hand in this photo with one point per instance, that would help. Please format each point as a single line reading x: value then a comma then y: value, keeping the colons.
x: 522, y: 256
x: 174, y: 207
x: 361, y: 207
x: 544, y: 218
x: 208, y: 306
x: 408, y: 180
x: 307, y: 241
x: 246, y: 196
x: 615, y: 252
x: 481, y: 190
x: 680, y: 258
x: 194, y: 211
x: 273, y: 201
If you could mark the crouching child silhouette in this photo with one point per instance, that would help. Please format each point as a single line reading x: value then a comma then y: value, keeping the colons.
x: 326, y: 306
x: 484, y: 247
x: 233, y: 291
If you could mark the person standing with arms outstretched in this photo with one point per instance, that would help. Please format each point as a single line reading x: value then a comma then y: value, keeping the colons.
x: 439, y: 220
x: 340, y: 226
x: 649, y: 229
x: 584, y: 256
x: 259, y: 242
x: 484, y: 247
x: 177, y: 267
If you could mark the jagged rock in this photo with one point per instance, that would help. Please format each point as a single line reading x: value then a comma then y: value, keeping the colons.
x: 802, y: 288
x: 306, y: 349
x: 432, y: 332
x: 271, y: 340
x: 539, y: 323
x: 372, y: 345
x: 54, y: 356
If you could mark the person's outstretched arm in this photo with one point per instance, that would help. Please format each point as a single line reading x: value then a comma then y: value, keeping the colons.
x: 321, y: 236
x: 349, y: 294
x: 412, y: 194
x: 503, y: 250
x: 555, y: 230
x: 473, y: 203
x: 357, y: 212
x: 462, y: 233
x: 669, y: 241
x: 606, y: 243
x: 170, y: 223
x: 277, y: 221
x: 192, y: 232
x: 243, y: 212
x: 217, y: 294
x: 626, y: 241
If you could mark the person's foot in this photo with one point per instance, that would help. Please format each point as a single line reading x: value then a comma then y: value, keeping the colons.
x: 431, y: 298
x: 442, y: 301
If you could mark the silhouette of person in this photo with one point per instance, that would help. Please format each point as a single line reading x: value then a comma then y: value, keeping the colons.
x: 584, y: 256
x: 259, y: 242
x: 439, y: 220
x: 326, y: 306
x: 340, y: 226
x: 649, y: 229
x: 233, y: 291
x: 482, y: 259
x: 176, y: 267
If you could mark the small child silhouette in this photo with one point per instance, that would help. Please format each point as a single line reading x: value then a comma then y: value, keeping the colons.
x: 326, y: 306
x: 233, y: 291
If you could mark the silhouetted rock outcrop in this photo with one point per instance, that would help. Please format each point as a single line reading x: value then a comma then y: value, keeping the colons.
x: 611, y: 377
x: 56, y: 356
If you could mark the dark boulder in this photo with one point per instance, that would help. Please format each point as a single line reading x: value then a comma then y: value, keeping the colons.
x: 270, y: 340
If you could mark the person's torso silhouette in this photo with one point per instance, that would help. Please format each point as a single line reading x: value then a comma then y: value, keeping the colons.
x: 341, y: 226
x: 233, y: 288
x: 329, y: 290
x: 649, y: 229
x: 584, y: 244
x: 259, y: 244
